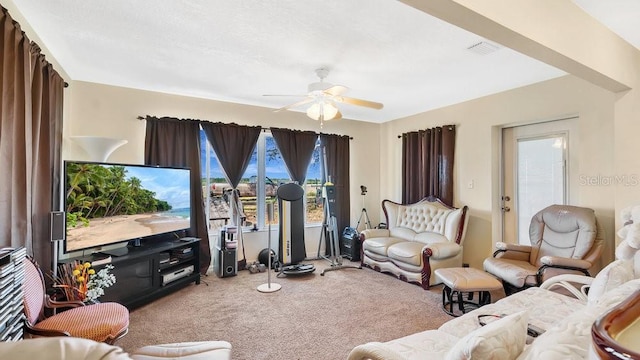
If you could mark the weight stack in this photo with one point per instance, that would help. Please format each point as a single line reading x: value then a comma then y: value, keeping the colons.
x: 350, y: 244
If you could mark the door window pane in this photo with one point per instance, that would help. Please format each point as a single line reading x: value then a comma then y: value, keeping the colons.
x: 540, y: 180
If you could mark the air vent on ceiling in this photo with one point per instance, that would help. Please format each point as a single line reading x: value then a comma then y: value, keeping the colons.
x: 483, y: 48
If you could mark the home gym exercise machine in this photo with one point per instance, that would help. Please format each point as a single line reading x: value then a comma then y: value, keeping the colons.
x: 291, y: 247
x: 329, y: 231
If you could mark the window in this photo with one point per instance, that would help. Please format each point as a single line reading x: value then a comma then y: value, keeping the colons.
x: 275, y: 173
x: 313, y: 188
x: 259, y: 185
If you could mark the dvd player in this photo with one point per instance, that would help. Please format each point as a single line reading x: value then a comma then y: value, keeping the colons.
x: 177, y: 274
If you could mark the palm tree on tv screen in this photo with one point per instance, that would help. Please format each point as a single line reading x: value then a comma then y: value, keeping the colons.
x: 97, y: 191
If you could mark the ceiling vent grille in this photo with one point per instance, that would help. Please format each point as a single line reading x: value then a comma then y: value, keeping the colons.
x: 483, y: 48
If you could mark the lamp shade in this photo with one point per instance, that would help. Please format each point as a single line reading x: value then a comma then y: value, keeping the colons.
x: 324, y: 109
x: 97, y: 147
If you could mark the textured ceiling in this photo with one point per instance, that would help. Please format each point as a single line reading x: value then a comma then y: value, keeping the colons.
x: 237, y: 51
x: 620, y: 16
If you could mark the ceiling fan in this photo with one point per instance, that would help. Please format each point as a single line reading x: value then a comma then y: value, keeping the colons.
x: 323, y: 97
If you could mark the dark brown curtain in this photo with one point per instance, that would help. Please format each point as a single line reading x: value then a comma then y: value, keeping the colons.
x: 15, y: 196
x: 46, y: 133
x: 174, y: 142
x: 337, y: 152
x: 30, y: 143
x: 296, y: 148
x: 427, y: 164
x: 234, y: 145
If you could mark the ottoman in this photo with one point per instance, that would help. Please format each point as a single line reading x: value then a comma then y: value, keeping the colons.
x: 459, y: 282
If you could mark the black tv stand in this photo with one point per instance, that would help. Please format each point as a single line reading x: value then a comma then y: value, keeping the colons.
x: 121, y: 251
x: 150, y: 271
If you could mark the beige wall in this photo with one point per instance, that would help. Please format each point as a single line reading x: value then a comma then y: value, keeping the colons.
x: 627, y: 147
x: 102, y: 110
x: 477, y: 144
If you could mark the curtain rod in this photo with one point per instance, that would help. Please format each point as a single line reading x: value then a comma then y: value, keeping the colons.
x: 318, y: 133
x: 450, y: 127
x: 263, y: 129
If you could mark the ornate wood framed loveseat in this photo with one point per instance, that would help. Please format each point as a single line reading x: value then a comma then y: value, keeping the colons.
x: 419, y: 238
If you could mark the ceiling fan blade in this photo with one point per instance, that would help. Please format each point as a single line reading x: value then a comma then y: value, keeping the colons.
x: 336, y: 90
x: 301, y: 102
x: 359, y: 102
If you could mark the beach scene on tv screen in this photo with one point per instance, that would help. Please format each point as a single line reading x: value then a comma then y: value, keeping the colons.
x: 105, y: 204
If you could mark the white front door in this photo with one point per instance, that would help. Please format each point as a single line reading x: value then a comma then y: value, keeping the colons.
x: 536, y: 168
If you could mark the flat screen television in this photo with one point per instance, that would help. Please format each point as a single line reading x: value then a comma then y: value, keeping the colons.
x: 112, y: 203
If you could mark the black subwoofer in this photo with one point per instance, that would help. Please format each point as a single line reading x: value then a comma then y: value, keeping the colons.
x: 227, y: 264
x: 350, y: 244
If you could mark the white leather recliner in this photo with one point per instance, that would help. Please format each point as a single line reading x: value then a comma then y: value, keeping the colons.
x: 564, y: 239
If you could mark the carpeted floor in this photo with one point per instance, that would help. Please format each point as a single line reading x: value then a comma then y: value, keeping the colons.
x: 311, y: 317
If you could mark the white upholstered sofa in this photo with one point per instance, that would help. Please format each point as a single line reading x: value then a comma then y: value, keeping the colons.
x: 419, y: 239
x: 567, y: 321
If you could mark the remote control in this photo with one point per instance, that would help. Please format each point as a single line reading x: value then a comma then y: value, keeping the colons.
x: 534, y: 331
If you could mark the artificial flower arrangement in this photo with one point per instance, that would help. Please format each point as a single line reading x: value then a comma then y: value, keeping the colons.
x: 80, y: 282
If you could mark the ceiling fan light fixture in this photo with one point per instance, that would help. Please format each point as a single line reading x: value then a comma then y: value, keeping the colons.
x: 324, y: 110
x: 322, y: 98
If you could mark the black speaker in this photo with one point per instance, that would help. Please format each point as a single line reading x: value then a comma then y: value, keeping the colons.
x: 350, y: 244
x: 57, y: 225
x: 227, y: 264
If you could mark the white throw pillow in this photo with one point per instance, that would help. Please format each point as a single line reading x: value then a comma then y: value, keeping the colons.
x: 501, y: 339
x: 612, y: 276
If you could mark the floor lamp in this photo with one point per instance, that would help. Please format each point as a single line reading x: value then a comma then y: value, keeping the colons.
x: 99, y: 148
x: 269, y: 286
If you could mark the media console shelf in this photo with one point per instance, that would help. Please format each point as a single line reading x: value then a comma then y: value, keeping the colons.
x: 152, y: 270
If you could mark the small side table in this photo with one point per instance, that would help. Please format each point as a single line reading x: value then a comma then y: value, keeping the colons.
x: 459, y: 282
